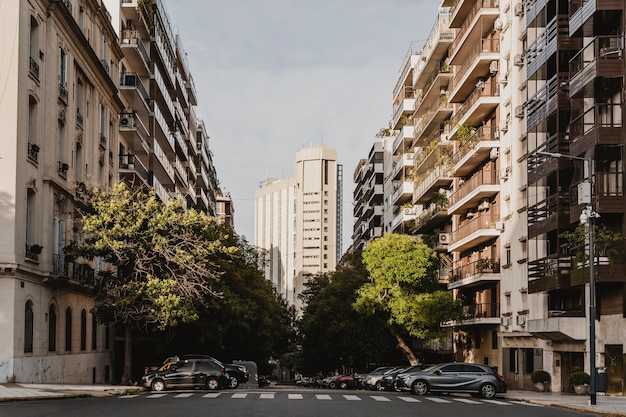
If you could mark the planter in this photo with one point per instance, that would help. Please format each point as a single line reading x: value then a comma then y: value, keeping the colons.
x: 541, y: 386
x: 581, y: 389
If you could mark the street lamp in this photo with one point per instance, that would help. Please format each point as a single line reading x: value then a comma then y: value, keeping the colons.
x: 585, y: 196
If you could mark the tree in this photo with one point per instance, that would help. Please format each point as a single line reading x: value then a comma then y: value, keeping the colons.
x: 163, y: 254
x: 404, y: 286
x: 334, y: 335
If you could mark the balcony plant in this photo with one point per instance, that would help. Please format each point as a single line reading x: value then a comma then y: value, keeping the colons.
x: 607, y: 244
x: 541, y: 379
x: 580, y: 381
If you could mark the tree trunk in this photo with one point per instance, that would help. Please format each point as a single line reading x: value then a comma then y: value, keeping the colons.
x: 404, y: 347
x: 127, y: 374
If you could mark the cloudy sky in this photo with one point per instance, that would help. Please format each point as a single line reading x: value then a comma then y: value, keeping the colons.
x: 274, y: 76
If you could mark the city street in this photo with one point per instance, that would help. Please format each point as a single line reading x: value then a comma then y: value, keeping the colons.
x: 283, y: 402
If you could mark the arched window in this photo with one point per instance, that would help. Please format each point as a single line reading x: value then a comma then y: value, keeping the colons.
x: 68, y: 330
x: 83, y: 330
x: 28, y: 327
x: 52, y: 329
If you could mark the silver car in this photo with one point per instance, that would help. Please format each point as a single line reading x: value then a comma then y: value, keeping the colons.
x: 477, y: 380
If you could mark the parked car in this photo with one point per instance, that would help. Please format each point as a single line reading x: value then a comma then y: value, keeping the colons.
x: 389, y: 380
x: 264, y: 380
x: 477, y: 380
x: 190, y: 373
x: 237, y: 374
x: 372, y: 380
x: 346, y: 381
x: 306, y: 381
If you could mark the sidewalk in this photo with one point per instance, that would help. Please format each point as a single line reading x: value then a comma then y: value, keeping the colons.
x: 605, y: 405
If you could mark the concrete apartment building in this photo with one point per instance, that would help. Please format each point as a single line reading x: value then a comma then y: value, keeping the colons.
x: 296, y: 225
x: 367, y: 198
x: 82, y: 107
x: 495, y: 85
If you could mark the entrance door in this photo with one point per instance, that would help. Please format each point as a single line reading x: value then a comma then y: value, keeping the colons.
x: 614, y: 361
x: 570, y: 362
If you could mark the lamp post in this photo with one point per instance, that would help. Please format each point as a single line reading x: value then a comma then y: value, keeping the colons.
x: 587, y: 216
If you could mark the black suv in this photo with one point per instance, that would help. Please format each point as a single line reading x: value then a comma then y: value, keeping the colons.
x: 188, y: 373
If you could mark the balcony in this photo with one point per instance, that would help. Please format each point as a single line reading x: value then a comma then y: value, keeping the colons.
x: 438, y: 177
x: 403, y: 108
x: 403, y: 192
x: 33, y: 251
x: 406, y: 214
x: 162, y: 167
x: 583, y: 10
x: 483, y: 184
x: 136, y: 11
x: 548, y: 99
x: 474, y: 68
x: 436, y: 153
x: 135, y: 52
x: 63, y: 94
x: 132, y: 87
x: 132, y: 169
x: 33, y: 68
x: 549, y: 214
x: 400, y: 164
x: 602, y: 57
x: 33, y: 151
x: 563, y: 329
x: 480, y: 104
x: 431, y: 218
x: 191, y: 91
x: 439, y: 40
x: 475, y: 231
x: 598, y: 125
x: 404, y: 137
x: 549, y: 273
x: 540, y: 166
x: 481, y: 314
x: 475, y: 274
x: 472, y: 23
x: 133, y: 129
x: 476, y: 149
x: 428, y: 120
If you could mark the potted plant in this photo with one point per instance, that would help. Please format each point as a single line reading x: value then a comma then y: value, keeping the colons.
x: 580, y: 381
x: 541, y: 379
x: 606, y: 244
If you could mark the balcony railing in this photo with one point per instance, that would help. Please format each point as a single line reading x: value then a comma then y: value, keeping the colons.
x: 483, y: 89
x: 134, y: 80
x: 485, y: 45
x: 33, y: 67
x: 131, y: 37
x: 481, y: 310
x: 33, y: 252
x: 59, y: 264
x: 481, y: 266
x: 482, y: 177
x: 63, y: 94
x: 600, y: 115
x: 481, y: 221
x: 600, y: 48
x: 33, y: 151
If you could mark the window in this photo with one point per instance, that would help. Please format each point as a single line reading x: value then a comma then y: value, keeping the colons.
x: 513, y: 360
x: 52, y: 329
x: 494, y: 339
x: 32, y: 127
x: 107, y: 338
x: 62, y: 77
x: 68, y: 330
x: 94, y: 332
x: 83, y: 330
x: 30, y: 222
x: 325, y: 172
x: 28, y: 327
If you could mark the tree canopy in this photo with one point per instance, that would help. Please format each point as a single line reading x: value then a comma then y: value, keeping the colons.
x: 403, y: 285
x: 164, y: 258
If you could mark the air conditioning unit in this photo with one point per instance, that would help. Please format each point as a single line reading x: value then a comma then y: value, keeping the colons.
x: 484, y: 205
x: 521, y: 320
x: 505, y: 173
x: 494, y: 153
x: 519, y: 111
x: 500, y: 226
x: 493, y: 67
x: 518, y: 9
x: 504, y: 127
x: 126, y: 121
x: 444, y: 238
x: 518, y: 60
x: 408, y: 210
x: 497, y: 25
x: 506, y: 321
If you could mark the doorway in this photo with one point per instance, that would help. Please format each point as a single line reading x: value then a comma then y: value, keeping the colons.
x: 570, y: 362
x: 614, y: 361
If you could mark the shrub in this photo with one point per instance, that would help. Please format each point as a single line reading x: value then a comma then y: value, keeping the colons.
x: 539, y: 376
x: 579, y: 378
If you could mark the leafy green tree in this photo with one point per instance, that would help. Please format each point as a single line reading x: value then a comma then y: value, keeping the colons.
x: 334, y: 335
x: 251, y: 321
x: 403, y: 285
x: 165, y: 259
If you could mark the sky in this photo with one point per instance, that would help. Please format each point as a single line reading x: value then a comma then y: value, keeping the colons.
x: 275, y: 76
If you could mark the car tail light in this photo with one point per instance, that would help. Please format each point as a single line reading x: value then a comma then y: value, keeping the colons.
x: 500, y: 377
x: 223, y: 370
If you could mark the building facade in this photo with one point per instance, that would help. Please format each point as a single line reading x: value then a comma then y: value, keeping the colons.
x: 92, y: 98
x: 296, y: 222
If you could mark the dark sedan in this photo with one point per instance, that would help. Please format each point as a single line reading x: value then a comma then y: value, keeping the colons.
x: 191, y: 373
x: 474, y: 379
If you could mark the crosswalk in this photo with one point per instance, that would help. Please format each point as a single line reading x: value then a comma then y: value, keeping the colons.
x: 328, y: 397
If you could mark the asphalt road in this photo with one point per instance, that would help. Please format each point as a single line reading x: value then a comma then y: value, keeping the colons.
x: 283, y: 403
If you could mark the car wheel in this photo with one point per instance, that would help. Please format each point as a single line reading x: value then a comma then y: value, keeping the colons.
x: 343, y: 385
x: 419, y: 387
x: 233, y: 382
x: 396, y: 388
x: 332, y: 385
x: 157, y: 385
x: 379, y: 386
x: 488, y: 390
x: 212, y: 384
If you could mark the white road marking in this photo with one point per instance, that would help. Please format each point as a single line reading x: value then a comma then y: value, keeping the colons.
x: 129, y: 396
x: 295, y: 396
x: 466, y: 401
x: 379, y: 398
x: 410, y: 399
x: 352, y: 397
x: 156, y: 395
x: 239, y: 396
x: 497, y: 402
x: 438, y: 400
x: 187, y: 395
x: 323, y: 397
x: 212, y: 395
x: 267, y: 396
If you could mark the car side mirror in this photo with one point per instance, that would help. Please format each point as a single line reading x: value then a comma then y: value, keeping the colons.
x: 437, y: 372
